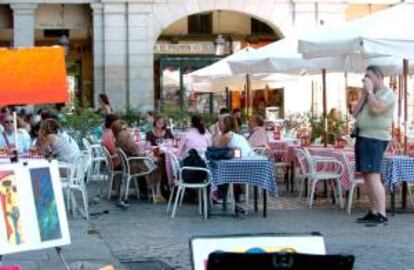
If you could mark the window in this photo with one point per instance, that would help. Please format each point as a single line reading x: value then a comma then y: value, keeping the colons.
x: 55, y: 33
x: 200, y: 23
x: 259, y: 27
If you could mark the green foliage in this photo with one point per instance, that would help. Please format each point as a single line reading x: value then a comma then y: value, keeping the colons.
x: 82, y: 119
x: 182, y: 117
x: 131, y: 116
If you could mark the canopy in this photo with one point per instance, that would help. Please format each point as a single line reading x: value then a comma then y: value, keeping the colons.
x: 238, y: 83
x: 385, y: 33
x: 33, y: 76
x: 219, y: 69
x: 282, y: 56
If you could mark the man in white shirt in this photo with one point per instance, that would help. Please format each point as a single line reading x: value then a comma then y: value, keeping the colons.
x: 7, y: 139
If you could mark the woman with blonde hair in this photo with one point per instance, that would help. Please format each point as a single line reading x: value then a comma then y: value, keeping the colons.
x: 125, y: 141
x: 54, y: 142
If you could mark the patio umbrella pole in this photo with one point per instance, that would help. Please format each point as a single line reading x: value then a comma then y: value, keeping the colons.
x: 324, y: 114
x: 248, y: 86
x: 405, y: 73
x: 228, y: 98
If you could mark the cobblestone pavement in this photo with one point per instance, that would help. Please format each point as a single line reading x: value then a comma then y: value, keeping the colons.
x: 145, y: 232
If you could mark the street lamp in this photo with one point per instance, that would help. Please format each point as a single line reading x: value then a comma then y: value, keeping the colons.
x: 220, y: 43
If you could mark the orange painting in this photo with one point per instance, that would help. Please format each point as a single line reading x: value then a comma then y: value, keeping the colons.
x: 33, y: 76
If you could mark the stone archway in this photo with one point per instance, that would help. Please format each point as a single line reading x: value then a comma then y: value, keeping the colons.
x: 276, y: 14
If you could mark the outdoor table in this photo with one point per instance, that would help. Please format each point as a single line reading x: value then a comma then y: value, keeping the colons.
x: 397, y: 169
x: 255, y: 171
x: 339, y: 154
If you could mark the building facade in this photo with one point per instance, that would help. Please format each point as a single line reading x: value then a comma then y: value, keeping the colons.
x: 114, y: 44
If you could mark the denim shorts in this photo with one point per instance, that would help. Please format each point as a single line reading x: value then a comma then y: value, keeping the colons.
x: 369, y: 154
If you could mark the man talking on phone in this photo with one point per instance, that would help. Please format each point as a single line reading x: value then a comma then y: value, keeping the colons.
x: 374, y: 114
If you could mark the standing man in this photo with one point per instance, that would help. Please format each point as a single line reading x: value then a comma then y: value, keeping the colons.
x: 374, y: 115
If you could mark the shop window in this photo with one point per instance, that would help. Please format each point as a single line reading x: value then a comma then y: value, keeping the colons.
x: 259, y: 27
x: 200, y: 23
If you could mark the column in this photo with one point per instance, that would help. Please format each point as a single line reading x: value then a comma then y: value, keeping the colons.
x: 23, y: 24
x: 114, y: 58
x: 98, y: 51
x: 140, y: 58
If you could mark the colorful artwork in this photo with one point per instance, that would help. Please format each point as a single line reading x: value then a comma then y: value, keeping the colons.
x: 46, y: 209
x: 10, y: 207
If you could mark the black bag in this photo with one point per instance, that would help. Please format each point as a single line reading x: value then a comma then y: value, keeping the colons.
x: 355, y: 132
x: 219, y: 153
x: 194, y: 160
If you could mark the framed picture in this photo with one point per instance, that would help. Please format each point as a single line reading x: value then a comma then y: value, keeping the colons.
x: 202, y: 246
x: 32, y: 209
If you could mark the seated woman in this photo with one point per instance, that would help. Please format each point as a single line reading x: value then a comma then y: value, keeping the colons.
x: 156, y: 137
x: 258, y: 136
x: 160, y: 131
x: 108, y: 140
x: 125, y: 141
x: 230, y: 138
x: 54, y: 142
x: 233, y: 140
x: 196, y: 137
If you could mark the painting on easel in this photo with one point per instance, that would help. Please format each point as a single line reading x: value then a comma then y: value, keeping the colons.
x: 46, y: 209
x: 10, y: 208
x: 32, y: 209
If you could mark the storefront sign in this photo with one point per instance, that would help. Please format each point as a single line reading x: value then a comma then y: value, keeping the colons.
x: 191, y: 48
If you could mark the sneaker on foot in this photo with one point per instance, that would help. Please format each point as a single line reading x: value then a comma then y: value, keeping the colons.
x: 123, y: 204
x: 367, y: 218
x: 380, y: 219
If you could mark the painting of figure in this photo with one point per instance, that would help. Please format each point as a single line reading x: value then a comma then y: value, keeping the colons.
x: 10, y: 211
x: 46, y: 209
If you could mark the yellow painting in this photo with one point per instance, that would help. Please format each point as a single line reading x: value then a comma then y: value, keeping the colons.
x: 10, y: 211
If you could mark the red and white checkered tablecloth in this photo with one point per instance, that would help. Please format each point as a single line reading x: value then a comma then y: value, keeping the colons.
x: 338, y: 154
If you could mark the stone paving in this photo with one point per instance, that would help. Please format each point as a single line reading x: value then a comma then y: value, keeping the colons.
x: 145, y: 232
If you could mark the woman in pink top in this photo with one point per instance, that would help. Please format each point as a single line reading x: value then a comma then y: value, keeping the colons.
x: 196, y: 138
x: 108, y: 140
x: 258, y: 136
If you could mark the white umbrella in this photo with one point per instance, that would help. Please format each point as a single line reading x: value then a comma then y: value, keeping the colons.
x: 219, y: 69
x: 238, y: 82
x: 385, y: 33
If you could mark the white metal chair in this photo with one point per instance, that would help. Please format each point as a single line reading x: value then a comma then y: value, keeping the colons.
x: 354, y: 181
x: 97, y: 159
x: 76, y: 183
x: 110, y: 170
x: 308, y: 167
x: 127, y: 175
x: 181, y: 185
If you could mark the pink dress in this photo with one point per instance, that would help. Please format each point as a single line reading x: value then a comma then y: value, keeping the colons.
x: 193, y: 139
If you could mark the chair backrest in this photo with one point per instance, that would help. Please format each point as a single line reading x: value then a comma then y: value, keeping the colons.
x: 261, y: 151
x: 124, y: 161
x: 305, y: 161
x: 78, y: 170
x: 86, y: 143
x: 175, y: 165
x: 108, y: 159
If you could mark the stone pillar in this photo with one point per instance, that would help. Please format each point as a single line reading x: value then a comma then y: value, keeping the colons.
x: 115, y: 55
x: 23, y: 24
x: 98, y: 51
x: 140, y: 58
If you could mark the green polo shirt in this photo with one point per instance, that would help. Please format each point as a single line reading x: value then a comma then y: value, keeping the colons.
x: 378, y: 126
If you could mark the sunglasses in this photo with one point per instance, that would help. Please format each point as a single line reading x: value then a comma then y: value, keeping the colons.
x: 8, y: 122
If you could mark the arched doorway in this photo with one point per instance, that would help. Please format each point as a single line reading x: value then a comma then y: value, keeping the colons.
x: 198, y: 40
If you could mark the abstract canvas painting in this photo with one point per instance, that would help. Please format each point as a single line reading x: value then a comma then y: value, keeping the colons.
x: 45, y: 202
x: 10, y: 208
